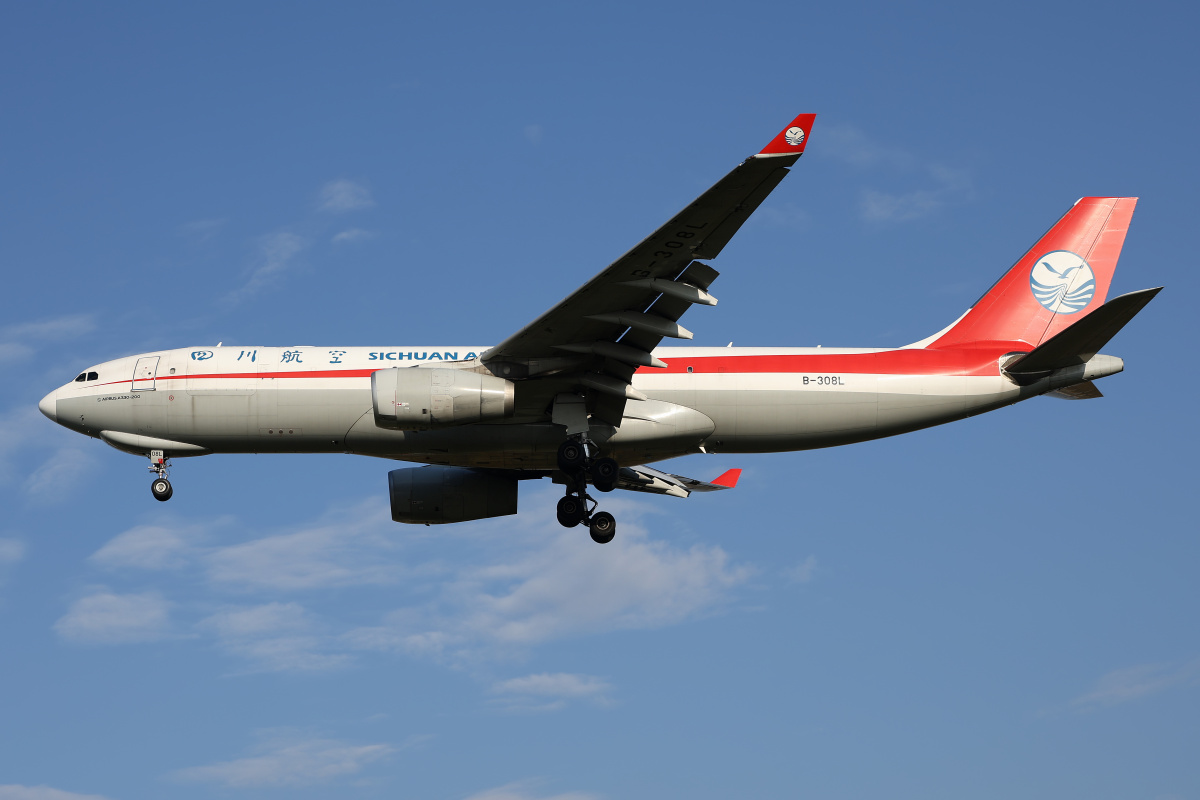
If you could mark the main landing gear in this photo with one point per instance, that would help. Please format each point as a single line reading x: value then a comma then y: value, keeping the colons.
x: 578, y: 466
x: 160, y: 487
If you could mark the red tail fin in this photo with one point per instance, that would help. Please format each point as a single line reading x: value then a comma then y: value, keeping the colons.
x: 1063, y: 278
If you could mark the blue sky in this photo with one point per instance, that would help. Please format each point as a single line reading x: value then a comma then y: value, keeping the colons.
x: 1001, y: 607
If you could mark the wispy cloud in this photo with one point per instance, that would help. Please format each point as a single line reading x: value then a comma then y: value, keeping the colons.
x: 14, y: 791
x: 104, y: 617
x: 343, y: 195
x: 276, y: 253
x: 526, y: 790
x: 802, y: 572
x: 1134, y: 683
x: 57, y: 329
x: 346, y: 549
x: 11, y: 551
x: 520, y: 582
x: 288, y: 759
x: 949, y: 186
x: 275, y: 637
x: 788, y: 215
x: 560, y: 589
x: 22, y: 340
x: 938, y: 185
x: 352, y: 235
x: 202, y: 230
x: 18, y: 427
x: 151, y: 547
x: 849, y: 144
x: 550, y: 691
x: 61, y: 471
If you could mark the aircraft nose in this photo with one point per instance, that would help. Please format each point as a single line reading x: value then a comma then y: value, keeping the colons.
x: 49, y: 406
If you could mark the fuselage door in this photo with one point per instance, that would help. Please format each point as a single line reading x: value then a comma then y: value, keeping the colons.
x: 144, y: 372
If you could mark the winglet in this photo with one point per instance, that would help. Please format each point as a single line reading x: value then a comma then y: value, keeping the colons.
x: 729, y: 478
x: 792, y: 139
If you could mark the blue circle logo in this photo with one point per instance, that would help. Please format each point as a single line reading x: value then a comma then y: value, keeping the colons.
x: 1062, y: 282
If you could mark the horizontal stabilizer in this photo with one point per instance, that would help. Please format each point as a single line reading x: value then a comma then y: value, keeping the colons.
x: 1078, y: 391
x: 648, y: 479
x: 1078, y: 343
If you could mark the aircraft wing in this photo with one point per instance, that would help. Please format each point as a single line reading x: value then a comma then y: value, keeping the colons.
x: 648, y: 479
x: 596, y: 338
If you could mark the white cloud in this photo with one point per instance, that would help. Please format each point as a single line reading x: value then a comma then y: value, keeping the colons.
x: 343, y: 195
x: 276, y: 251
x: 104, y: 617
x: 153, y: 547
x: 18, y: 427
x: 202, y: 230
x: 555, y: 583
x: 533, y: 133
x: 352, y: 235
x: 14, y: 791
x: 788, y: 215
x: 524, y: 790
x: 802, y: 572
x: 284, y: 760
x: 275, y: 637
x: 550, y: 691
x: 848, y: 143
x: 11, y: 551
x: 950, y: 185
x: 56, y: 329
x: 1133, y: 683
x: 344, y: 550
x: 350, y: 546
x: 14, y: 351
x: 58, y: 473
x: 510, y: 584
x: 21, y: 340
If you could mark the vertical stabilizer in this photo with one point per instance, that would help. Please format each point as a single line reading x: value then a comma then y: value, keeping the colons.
x: 1059, y: 281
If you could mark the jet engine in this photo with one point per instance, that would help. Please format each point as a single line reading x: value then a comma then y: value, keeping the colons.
x: 420, y: 399
x: 433, y: 495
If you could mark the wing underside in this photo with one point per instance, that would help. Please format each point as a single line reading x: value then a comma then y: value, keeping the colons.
x: 593, y: 341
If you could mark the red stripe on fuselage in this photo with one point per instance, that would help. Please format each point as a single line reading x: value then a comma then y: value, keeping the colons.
x: 972, y: 361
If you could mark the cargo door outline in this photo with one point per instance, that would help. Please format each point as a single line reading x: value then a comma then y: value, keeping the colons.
x: 144, y: 373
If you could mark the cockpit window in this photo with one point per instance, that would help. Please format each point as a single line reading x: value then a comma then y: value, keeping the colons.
x: 92, y: 376
x: 82, y: 377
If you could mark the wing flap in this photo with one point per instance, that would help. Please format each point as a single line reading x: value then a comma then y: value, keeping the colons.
x: 653, y: 481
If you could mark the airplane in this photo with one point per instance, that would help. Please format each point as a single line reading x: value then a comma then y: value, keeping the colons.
x: 585, y: 394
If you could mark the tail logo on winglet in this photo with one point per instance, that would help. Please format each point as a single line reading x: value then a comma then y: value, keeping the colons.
x: 794, y: 136
x: 1062, y: 282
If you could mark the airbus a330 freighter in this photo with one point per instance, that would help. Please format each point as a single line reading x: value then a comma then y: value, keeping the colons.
x: 586, y: 396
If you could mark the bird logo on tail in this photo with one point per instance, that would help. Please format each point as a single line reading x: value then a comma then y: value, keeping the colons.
x: 1062, y: 282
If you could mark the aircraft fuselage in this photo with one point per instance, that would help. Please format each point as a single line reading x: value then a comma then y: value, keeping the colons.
x: 733, y: 400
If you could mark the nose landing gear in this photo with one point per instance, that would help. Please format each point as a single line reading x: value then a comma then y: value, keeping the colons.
x: 160, y: 487
x: 573, y: 509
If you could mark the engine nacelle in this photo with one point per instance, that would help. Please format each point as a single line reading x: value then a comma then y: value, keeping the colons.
x: 433, y: 495
x: 419, y: 399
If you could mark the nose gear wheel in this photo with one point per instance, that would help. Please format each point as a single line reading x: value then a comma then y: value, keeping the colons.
x: 160, y: 487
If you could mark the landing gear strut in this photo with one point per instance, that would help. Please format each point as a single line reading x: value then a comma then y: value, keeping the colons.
x: 577, y: 506
x: 160, y: 487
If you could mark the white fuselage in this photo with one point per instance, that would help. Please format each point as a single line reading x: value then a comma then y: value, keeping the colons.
x: 318, y: 399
